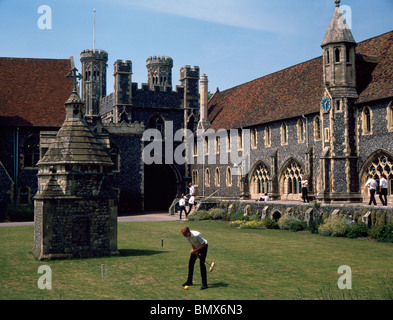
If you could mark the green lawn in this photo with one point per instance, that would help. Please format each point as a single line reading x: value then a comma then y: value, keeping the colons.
x: 250, y: 265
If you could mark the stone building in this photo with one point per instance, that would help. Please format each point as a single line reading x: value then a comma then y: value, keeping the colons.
x: 329, y: 118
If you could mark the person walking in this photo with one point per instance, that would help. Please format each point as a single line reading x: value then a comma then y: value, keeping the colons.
x: 182, y: 205
x: 372, y: 185
x: 199, y: 250
x: 191, y: 204
x: 191, y: 189
x: 304, y: 183
x: 383, y: 190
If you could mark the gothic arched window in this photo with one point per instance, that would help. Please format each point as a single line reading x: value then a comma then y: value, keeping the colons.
x: 31, y: 152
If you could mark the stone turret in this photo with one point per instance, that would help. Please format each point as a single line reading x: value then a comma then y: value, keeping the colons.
x: 94, y: 65
x: 203, y: 118
x: 159, y: 71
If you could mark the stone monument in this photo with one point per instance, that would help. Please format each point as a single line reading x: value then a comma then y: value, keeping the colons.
x: 75, y: 208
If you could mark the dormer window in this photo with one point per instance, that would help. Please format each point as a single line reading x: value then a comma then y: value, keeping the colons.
x: 327, y: 56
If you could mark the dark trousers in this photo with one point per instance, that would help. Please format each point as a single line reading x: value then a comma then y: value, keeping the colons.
x: 304, y: 194
x: 191, y: 263
x: 190, y: 208
x: 183, y: 208
x: 372, y: 197
x: 383, y: 196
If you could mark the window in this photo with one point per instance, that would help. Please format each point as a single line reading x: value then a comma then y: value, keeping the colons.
x: 337, y: 54
x: 240, y: 139
x: 293, y: 178
x: 229, y: 142
x: 268, y: 136
x: 157, y: 122
x: 195, y: 178
x: 338, y: 105
x: 260, y: 180
x: 317, y: 128
x: 217, y: 145
x: 367, y: 125
x: 348, y: 51
x: 300, y: 131
x: 229, y: 177
x: 31, y: 152
x: 206, y: 145
x: 284, y: 134
x: 390, y: 116
x: 254, y: 138
x: 207, y: 178
x: 217, y: 177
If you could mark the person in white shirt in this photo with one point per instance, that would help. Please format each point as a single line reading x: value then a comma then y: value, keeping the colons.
x: 182, y: 205
x: 372, y: 184
x: 383, y: 190
x: 192, y: 189
x: 191, y: 203
x: 199, y: 250
x: 304, y: 184
x: 266, y: 197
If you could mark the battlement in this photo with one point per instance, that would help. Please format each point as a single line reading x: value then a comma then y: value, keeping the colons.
x: 94, y: 54
x: 188, y: 72
x: 168, y: 61
x: 122, y: 66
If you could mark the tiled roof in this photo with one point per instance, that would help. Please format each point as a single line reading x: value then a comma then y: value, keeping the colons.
x: 33, y: 91
x: 298, y: 90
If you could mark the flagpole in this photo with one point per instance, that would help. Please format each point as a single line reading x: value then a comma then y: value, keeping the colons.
x: 94, y: 30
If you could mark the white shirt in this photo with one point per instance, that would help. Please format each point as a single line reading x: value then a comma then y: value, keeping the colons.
x: 266, y: 198
x: 182, y: 202
x: 191, y: 200
x: 372, y: 184
x: 192, y: 190
x: 383, y: 183
x: 304, y: 183
x: 196, y: 239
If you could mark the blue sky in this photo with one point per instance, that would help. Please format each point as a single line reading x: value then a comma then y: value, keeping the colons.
x: 232, y: 41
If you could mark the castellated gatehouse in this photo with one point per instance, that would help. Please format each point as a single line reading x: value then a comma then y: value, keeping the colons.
x: 75, y: 206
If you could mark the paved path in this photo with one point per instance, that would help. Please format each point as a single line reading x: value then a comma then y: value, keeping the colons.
x: 134, y: 218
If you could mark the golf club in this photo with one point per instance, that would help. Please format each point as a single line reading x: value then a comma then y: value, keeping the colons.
x: 211, y: 265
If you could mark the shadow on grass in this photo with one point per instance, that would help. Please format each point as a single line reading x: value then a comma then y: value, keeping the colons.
x: 218, y: 285
x: 138, y: 252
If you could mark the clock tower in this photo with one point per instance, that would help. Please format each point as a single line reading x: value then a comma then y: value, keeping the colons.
x: 338, y: 161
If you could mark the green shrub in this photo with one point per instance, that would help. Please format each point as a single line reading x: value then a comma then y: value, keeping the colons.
x: 383, y: 233
x: 238, y: 215
x: 270, y: 223
x: 285, y: 221
x: 254, y: 217
x: 297, y: 226
x: 335, y: 226
x: 217, y: 213
x: 243, y: 224
x: 314, y: 225
x: 20, y: 212
x: 358, y: 230
x: 199, y: 215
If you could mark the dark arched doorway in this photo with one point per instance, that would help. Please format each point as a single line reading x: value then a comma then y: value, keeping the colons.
x: 160, y: 187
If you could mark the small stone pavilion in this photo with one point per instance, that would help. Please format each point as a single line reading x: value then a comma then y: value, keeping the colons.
x: 75, y: 208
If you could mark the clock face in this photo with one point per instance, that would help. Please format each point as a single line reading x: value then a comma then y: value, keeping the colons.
x: 325, y: 104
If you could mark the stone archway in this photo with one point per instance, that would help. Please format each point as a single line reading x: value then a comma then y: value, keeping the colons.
x: 161, y: 184
x: 259, y: 180
x: 290, y: 180
x: 378, y: 164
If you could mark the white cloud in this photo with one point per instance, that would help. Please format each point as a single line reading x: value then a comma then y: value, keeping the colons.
x: 251, y: 14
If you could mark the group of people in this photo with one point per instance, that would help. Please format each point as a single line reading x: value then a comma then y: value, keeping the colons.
x: 372, y: 184
x: 190, y: 200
